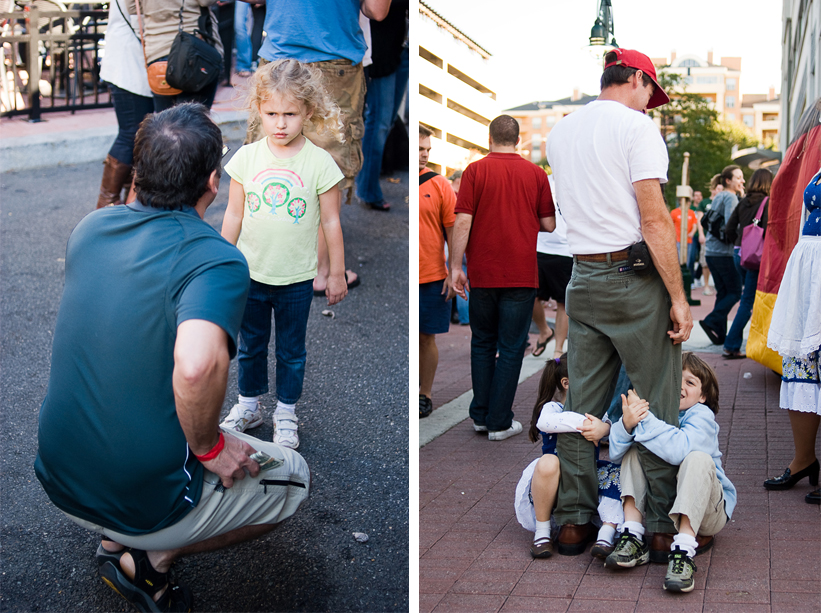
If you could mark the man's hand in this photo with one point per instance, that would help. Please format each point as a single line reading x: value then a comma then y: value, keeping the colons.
x: 232, y: 461
x: 634, y: 409
x: 459, y: 283
x: 594, y: 429
x: 447, y: 289
x: 682, y: 322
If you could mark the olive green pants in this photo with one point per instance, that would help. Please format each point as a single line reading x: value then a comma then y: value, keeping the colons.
x: 617, y: 316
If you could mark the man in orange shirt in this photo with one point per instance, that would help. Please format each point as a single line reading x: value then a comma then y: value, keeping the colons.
x: 436, y: 217
x: 692, y: 226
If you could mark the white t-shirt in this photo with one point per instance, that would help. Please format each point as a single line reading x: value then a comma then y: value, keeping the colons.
x: 554, y: 243
x: 596, y: 155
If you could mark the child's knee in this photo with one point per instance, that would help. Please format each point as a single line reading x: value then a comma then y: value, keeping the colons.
x: 547, y: 466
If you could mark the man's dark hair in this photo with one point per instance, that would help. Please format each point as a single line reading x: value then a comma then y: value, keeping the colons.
x: 616, y: 75
x: 175, y: 153
x: 424, y: 132
x: 504, y: 130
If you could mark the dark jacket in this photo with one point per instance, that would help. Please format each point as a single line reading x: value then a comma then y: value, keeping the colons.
x: 743, y: 216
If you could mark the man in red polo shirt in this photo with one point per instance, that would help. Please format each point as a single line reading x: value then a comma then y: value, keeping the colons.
x: 503, y: 202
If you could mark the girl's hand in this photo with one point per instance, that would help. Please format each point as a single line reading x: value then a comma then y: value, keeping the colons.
x: 336, y: 289
x: 594, y: 429
x: 634, y: 409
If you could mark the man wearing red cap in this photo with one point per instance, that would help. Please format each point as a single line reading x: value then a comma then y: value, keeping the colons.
x: 608, y: 161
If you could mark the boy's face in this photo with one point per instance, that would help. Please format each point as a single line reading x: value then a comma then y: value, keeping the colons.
x: 690, y: 391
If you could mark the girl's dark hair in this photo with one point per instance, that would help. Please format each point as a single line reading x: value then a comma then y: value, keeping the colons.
x: 760, y: 182
x: 709, y: 384
x: 727, y: 175
x: 551, y: 381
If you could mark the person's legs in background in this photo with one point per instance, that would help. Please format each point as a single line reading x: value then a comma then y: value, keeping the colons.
x: 728, y: 291
x: 242, y: 10
x: 434, y: 318
x: 735, y: 337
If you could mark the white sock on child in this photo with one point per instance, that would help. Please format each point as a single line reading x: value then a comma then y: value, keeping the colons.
x: 249, y: 402
x: 542, y: 530
x: 635, y: 528
x: 606, y: 534
x: 285, y: 408
x: 686, y: 543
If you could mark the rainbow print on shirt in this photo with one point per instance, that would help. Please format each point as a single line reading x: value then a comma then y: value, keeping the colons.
x: 278, y: 190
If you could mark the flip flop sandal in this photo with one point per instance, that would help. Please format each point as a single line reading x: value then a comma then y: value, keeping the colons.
x: 540, y: 347
x: 318, y: 293
x: 147, y: 582
x: 104, y: 556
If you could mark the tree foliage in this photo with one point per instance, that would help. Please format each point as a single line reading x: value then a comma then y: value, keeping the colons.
x: 690, y: 125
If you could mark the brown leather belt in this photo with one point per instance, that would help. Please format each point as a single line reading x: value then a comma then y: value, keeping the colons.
x: 616, y: 256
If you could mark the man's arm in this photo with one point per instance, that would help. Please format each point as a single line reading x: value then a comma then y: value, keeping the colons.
x: 458, y: 243
x: 548, y: 224
x: 659, y: 233
x: 375, y: 9
x: 200, y: 373
x: 447, y: 287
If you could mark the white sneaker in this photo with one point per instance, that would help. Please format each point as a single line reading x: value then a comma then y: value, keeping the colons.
x: 500, y: 435
x: 285, y: 430
x: 241, y: 418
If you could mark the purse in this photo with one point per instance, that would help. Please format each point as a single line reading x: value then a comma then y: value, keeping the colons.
x: 752, y: 241
x: 156, y: 70
x: 194, y: 63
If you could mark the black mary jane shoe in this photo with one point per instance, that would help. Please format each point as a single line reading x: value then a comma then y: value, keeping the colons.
x: 787, y: 480
x: 813, y: 497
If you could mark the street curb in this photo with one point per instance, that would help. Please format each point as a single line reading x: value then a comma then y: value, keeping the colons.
x: 88, y: 144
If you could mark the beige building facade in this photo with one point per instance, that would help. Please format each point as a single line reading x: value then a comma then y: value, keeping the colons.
x: 457, y: 99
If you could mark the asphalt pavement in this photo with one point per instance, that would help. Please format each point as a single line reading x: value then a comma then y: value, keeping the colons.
x: 353, y: 425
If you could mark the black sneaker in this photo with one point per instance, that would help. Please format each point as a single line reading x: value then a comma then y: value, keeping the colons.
x: 629, y: 551
x: 680, y: 571
x: 425, y: 406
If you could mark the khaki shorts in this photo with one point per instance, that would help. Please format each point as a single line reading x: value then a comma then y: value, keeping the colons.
x: 345, y: 83
x: 269, y: 498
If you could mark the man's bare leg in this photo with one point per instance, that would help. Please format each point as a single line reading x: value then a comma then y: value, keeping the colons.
x: 562, y: 325
x: 428, y: 362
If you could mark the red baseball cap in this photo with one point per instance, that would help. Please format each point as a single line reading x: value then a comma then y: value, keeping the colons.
x: 639, y: 61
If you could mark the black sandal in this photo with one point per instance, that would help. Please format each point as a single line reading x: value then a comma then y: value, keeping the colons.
x: 147, y: 582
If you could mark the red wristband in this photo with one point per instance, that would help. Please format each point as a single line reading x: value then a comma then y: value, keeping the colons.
x: 215, y: 450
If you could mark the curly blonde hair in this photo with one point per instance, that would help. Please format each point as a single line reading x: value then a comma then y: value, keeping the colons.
x: 301, y: 83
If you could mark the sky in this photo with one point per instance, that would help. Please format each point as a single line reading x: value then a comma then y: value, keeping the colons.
x: 539, y: 47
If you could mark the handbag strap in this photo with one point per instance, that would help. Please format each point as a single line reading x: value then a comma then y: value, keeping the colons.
x: 760, y: 211
x: 142, y: 35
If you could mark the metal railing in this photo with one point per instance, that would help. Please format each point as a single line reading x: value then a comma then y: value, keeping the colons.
x: 51, y: 58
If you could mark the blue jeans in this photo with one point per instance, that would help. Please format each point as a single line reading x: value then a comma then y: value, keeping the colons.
x: 130, y: 110
x: 205, y: 97
x: 291, y: 305
x: 745, y: 307
x: 242, y: 37
x: 382, y: 101
x: 499, y: 317
x: 728, y: 291
x: 692, y: 257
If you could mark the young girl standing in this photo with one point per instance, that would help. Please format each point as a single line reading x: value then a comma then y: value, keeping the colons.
x: 536, y: 492
x: 282, y: 188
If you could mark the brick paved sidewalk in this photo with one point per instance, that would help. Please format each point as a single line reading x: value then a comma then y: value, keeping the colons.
x: 474, y: 556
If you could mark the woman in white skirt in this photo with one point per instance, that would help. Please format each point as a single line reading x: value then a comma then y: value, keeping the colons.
x: 795, y: 333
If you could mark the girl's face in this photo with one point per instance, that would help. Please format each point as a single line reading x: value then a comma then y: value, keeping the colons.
x: 690, y: 391
x: 282, y: 119
x: 737, y: 182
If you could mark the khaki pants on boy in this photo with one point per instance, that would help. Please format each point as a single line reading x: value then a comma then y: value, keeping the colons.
x: 699, y: 494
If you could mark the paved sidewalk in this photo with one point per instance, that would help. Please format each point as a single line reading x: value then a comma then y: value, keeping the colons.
x: 474, y: 556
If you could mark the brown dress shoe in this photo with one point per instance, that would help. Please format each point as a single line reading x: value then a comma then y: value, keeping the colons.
x: 573, y: 538
x: 541, y: 548
x: 662, y: 543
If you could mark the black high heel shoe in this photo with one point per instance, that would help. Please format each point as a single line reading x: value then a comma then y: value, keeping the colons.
x: 787, y: 480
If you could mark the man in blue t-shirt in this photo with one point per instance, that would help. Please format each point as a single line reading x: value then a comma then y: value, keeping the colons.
x: 129, y: 442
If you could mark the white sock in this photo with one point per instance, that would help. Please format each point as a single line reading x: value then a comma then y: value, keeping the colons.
x: 287, y: 410
x: 542, y: 530
x: 685, y: 542
x: 249, y: 402
x: 635, y: 528
x: 606, y: 534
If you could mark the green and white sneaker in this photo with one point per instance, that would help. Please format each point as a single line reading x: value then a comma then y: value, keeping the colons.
x: 680, y: 571
x: 629, y: 551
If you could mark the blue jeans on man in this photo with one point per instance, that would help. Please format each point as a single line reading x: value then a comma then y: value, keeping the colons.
x: 499, y: 319
x: 382, y: 102
x: 291, y: 305
x: 728, y: 291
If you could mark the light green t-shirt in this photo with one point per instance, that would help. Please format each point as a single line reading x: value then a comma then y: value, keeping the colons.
x: 281, y: 210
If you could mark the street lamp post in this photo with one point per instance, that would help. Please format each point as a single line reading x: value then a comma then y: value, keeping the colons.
x: 602, y: 34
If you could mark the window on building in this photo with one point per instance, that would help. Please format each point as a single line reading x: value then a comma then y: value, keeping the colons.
x: 536, y: 122
x: 466, y: 144
x: 470, y: 81
x: 689, y: 63
x: 688, y: 80
x: 433, y: 59
x: 730, y: 116
x: 706, y: 80
x: 729, y: 102
x: 748, y: 120
x: 535, y: 154
x: 463, y: 110
x: 551, y: 121
x: 427, y: 92
x: 730, y: 84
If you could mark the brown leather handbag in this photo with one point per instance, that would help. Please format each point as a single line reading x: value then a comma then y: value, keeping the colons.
x: 156, y: 70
